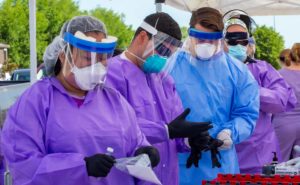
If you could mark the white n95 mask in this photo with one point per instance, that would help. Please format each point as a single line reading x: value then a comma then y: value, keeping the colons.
x: 88, y: 77
x: 205, y: 51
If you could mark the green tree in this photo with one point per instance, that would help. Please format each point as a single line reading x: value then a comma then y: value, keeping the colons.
x: 184, y: 31
x: 50, y: 15
x: 115, y: 25
x: 269, y: 43
x: 14, y: 30
x: 14, y: 26
x: 9, y: 66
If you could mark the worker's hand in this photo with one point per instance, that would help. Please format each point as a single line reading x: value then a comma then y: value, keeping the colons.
x: 99, y: 165
x: 294, y: 162
x: 213, y: 146
x: 200, y: 141
x: 194, y: 157
x: 225, y: 136
x: 181, y: 128
x: 152, y: 152
x: 197, y: 144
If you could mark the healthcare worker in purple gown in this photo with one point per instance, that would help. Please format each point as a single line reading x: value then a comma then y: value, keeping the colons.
x: 275, y: 96
x: 287, y: 124
x: 138, y: 75
x: 58, y: 131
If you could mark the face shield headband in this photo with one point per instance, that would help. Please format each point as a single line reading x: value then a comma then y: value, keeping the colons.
x: 107, y: 45
x: 233, y: 13
x: 205, y: 35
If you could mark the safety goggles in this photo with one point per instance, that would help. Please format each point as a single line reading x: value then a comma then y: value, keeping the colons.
x: 282, y: 58
x: 236, y: 42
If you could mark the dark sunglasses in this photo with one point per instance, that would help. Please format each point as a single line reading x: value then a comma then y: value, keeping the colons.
x: 236, y: 42
x: 281, y: 58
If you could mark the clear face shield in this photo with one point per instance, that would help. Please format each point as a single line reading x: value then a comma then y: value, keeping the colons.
x: 159, y: 49
x: 86, y: 56
x: 240, y: 14
x: 204, y: 45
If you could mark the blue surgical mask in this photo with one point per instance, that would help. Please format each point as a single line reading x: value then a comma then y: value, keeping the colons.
x: 154, y: 64
x: 239, y: 52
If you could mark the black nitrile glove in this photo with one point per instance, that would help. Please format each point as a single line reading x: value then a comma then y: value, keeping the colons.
x: 194, y: 157
x: 181, y: 128
x: 201, y: 140
x: 152, y: 152
x: 99, y: 165
x: 213, y: 147
x: 197, y: 144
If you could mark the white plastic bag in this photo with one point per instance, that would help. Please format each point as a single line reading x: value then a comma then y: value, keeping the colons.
x: 139, y: 167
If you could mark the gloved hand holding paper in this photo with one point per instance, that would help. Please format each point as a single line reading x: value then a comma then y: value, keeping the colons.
x: 139, y: 167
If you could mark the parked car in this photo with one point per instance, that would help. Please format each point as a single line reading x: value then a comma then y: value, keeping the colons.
x: 20, y: 75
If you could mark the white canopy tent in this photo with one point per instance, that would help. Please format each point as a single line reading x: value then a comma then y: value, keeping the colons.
x: 252, y: 7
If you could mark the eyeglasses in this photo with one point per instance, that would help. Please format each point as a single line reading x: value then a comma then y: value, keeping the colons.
x: 163, y: 50
x: 236, y: 42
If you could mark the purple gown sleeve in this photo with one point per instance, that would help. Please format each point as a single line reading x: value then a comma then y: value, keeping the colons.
x: 275, y: 94
x: 155, y: 132
x: 24, y: 148
x: 176, y: 111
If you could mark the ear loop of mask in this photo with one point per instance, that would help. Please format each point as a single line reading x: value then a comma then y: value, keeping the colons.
x: 69, y: 50
x: 68, y: 61
x: 132, y: 54
x: 69, y: 56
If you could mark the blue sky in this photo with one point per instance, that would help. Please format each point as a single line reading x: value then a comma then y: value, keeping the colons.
x: 136, y: 10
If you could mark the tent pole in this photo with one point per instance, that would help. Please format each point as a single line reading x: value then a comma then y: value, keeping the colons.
x: 32, y: 29
x: 274, y: 23
x: 158, y: 4
x: 158, y: 7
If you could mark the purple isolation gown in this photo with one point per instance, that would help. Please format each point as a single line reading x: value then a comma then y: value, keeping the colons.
x: 275, y: 96
x: 156, y: 103
x: 46, y: 135
x: 287, y: 124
